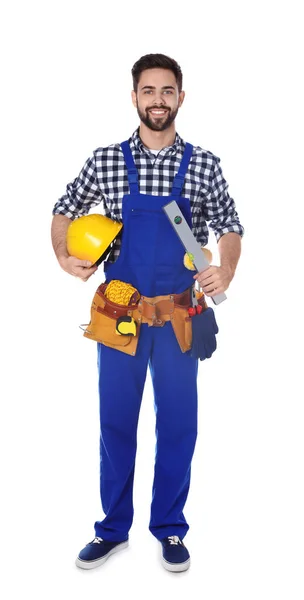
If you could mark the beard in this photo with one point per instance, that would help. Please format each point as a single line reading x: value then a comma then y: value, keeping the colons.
x: 157, y: 123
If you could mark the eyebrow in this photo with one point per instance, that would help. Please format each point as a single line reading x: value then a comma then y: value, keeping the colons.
x: 152, y: 87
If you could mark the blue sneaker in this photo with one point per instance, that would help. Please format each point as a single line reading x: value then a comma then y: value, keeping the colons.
x: 175, y: 556
x: 96, y: 553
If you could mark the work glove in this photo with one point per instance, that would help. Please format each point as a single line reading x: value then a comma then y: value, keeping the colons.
x: 204, y: 330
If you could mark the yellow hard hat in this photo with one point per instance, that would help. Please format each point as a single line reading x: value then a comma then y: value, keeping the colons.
x: 89, y: 237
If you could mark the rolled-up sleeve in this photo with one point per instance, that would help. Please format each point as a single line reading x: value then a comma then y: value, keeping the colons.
x: 81, y: 194
x: 219, y: 208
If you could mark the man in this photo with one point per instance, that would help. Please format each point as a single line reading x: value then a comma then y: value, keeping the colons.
x: 150, y: 167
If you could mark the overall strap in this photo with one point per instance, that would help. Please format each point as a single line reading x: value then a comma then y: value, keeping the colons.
x: 179, y: 178
x: 132, y: 171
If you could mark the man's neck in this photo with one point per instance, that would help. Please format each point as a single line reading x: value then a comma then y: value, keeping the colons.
x: 157, y: 139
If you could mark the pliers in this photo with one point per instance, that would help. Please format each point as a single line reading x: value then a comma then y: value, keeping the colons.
x: 196, y: 308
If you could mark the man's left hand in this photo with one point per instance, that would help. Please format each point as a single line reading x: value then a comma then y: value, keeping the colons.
x: 214, y: 280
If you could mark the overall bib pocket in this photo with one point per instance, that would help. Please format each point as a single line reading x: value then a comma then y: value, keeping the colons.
x: 148, y: 221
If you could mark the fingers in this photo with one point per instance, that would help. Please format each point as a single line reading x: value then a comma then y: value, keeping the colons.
x: 207, y: 285
x: 86, y: 278
x: 211, y: 287
x: 214, y: 280
x: 206, y: 276
x: 83, y: 269
x: 84, y: 272
x: 211, y: 292
x: 82, y: 263
x: 208, y: 280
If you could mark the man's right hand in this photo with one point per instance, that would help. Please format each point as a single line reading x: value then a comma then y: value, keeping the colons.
x: 79, y: 268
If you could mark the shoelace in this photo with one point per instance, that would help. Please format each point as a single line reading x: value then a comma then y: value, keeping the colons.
x: 174, y: 539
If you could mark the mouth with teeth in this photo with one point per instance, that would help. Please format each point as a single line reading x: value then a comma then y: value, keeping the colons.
x: 158, y: 112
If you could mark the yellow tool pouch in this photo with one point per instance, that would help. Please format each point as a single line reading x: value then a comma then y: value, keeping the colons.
x: 102, y: 326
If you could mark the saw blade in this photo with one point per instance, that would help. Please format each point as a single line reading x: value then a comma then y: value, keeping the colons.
x: 189, y: 242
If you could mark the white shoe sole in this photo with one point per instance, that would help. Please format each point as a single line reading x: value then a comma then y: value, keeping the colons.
x: 92, y: 564
x: 176, y: 567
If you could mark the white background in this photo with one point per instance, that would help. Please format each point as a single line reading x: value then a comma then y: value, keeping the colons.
x: 67, y: 90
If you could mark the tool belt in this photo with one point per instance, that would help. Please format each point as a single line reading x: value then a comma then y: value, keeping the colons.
x: 155, y: 311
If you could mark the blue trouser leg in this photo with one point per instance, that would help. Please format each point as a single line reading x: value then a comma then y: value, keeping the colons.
x: 121, y: 382
x: 174, y: 376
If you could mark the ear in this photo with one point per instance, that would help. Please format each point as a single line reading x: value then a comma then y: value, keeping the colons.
x: 134, y: 98
x: 181, y: 99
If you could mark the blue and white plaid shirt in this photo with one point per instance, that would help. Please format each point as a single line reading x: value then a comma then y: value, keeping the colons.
x: 104, y: 179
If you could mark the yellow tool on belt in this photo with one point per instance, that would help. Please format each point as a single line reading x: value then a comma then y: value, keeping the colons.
x: 125, y: 294
x: 125, y: 326
x: 121, y: 292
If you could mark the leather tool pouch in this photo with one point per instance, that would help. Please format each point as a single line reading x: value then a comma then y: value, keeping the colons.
x: 156, y: 311
x: 182, y: 326
x: 153, y: 311
x: 102, y: 326
x: 181, y: 321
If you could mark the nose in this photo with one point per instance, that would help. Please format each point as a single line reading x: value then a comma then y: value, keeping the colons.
x: 159, y: 105
x: 159, y: 100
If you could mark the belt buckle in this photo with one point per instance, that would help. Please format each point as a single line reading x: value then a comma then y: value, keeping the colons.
x: 157, y: 322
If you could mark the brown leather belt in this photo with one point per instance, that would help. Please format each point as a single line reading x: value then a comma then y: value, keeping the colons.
x: 155, y: 311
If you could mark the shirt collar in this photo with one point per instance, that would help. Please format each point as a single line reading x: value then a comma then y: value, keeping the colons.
x: 138, y: 144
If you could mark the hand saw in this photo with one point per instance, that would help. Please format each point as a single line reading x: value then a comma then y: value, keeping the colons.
x: 189, y: 242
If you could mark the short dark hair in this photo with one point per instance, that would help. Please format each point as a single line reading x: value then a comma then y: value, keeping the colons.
x: 160, y: 61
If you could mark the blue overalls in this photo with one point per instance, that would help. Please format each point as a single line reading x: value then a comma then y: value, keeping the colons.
x: 151, y: 259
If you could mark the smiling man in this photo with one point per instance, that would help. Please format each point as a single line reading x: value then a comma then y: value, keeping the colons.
x: 157, y: 105
x: 133, y: 181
